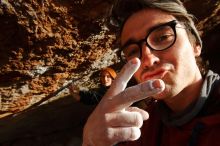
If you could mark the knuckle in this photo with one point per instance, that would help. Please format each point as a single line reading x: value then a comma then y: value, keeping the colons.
x: 138, y: 120
x: 122, y: 134
x: 127, y: 95
x: 111, y: 136
x: 110, y: 133
x: 135, y: 133
x: 108, y: 117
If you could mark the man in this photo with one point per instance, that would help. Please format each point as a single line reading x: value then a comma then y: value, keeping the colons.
x: 92, y: 97
x: 161, y: 45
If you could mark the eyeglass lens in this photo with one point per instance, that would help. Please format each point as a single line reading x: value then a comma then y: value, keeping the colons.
x: 158, y: 39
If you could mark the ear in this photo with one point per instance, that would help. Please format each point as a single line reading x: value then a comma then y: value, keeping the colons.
x: 197, y: 50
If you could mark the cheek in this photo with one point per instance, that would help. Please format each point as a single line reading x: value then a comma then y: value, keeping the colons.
x: 137, y: 75
x: 182, y: 52
x: 109, y: 80
x: 185, y: 58
x: 183, y: 61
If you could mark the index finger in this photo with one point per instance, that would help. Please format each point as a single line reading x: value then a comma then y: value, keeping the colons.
x: 120, y: 83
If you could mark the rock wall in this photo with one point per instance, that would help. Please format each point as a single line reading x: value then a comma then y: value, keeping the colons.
x: 46, y: 44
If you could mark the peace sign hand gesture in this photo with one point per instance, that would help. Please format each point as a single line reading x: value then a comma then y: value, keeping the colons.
x: 114, y: 120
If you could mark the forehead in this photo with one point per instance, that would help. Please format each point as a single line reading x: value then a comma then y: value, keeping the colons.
x: 104, y: 73
x: 140, y: 22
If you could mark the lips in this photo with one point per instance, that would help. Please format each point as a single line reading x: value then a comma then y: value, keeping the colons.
x: 156, y: 74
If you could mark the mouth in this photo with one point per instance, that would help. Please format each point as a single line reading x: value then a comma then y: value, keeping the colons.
x: 157, y: 74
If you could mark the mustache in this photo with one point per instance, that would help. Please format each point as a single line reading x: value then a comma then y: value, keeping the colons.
x: 154, y: 68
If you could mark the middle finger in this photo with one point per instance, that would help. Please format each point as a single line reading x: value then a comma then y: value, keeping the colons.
x: 134, y: 94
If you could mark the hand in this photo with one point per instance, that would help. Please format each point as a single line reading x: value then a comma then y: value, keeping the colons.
x: 114, y: 120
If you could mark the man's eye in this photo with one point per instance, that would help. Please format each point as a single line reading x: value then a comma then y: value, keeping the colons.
x: 165, y: 37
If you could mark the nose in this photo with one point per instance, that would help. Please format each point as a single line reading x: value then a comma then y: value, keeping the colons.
x: 148, y: 58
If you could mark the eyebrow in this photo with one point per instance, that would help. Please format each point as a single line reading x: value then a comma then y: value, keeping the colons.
x: 129, y: 41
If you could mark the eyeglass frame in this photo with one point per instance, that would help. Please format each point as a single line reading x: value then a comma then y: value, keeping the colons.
x: 139, y: 43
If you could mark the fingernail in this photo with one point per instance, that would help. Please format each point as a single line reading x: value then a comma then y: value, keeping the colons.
x: 156, y: 84
x: 134, y: 61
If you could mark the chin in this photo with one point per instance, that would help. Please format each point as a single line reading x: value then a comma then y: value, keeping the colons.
x: 165, y: 94
x: 159, y: 96
x: 107, y: 85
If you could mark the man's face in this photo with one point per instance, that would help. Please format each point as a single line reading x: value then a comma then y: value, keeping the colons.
x: 106, y: 79
x: 176, y: 66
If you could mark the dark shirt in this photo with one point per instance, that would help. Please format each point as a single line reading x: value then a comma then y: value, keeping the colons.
x: 94, y: 96
x: 199, y: 125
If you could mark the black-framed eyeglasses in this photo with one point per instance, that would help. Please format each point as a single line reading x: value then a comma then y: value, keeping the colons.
x: 159, y: 38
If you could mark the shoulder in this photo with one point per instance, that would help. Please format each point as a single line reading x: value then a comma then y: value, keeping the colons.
x: 214, y: 80
x: 212, y: 104
x: 87, y: 93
